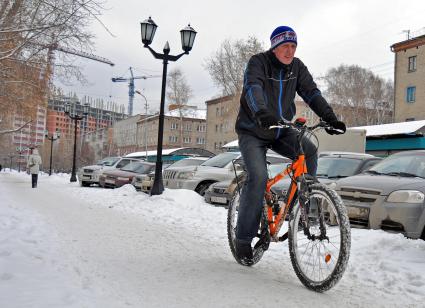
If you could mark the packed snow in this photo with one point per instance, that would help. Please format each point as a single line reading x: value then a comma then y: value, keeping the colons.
x: 62, y: 245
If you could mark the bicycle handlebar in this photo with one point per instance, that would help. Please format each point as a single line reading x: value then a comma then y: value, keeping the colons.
x: 321, y: 124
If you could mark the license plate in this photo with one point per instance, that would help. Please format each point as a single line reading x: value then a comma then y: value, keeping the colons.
x: 221, y: 200
x: 109, y: 181
x: 357, y: 212
x: 86, y: 177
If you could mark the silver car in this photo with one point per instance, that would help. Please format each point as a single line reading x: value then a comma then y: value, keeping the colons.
x: 389, y: 196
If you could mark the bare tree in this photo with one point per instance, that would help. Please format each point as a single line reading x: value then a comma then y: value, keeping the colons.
x: 179, y: 92
x: 359, y: 95
x: 226, y: 66
x: 30, y: 32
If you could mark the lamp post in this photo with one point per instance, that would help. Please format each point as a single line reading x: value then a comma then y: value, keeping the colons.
x: 148, y: 29
x: 76, y: 117
x: 55, y: 136
x: 146, y: 123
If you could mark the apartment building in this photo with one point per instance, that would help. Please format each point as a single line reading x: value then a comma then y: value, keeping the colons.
x: 183, y: 127
x: 409, y: 79
x: 32, y: 134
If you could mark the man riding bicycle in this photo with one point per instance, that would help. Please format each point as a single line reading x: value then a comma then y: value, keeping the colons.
x: 271, y: 80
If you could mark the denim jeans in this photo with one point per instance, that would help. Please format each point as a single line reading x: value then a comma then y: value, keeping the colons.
x: 253, y: 151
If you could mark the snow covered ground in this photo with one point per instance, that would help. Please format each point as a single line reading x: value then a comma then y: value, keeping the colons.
x: 62, y: 245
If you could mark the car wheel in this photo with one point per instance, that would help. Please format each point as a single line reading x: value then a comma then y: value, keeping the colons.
x: 202, y: 188
x: 84, y: 184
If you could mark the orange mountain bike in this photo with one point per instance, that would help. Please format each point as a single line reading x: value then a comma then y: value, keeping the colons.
x: 318, y: 227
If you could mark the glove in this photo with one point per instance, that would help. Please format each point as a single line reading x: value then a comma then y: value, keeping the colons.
x: 337, y: 128
x: 266, y: 119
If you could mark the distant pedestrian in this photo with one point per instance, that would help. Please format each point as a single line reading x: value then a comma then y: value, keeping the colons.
x: 1, y: 167
x: 33, y: 165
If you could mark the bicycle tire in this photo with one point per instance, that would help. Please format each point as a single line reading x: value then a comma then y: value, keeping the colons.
x: 232, y: 215
x: 300, y: 247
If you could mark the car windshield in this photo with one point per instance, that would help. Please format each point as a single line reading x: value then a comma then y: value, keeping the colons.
x: 108, y: 161
x: 221, y: 160
x: 337, y: 167
x: 132, y: 166
x: 403, y: 165
x: 144, y: 168
x: 187, y: 162
x: 276, y: 168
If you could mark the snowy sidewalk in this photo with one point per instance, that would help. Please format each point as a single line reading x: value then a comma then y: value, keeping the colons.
x: 62, y: 245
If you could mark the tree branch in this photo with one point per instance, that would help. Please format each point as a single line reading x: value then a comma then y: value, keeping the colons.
x: 9, y: 131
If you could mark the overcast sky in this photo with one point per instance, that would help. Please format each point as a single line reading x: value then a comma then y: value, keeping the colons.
x: 330, y: 33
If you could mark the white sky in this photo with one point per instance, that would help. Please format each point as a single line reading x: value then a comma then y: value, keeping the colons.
x: 330, y: 33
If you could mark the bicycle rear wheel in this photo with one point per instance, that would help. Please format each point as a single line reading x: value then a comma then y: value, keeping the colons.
x: 320, y: 259
x: 232, y: 217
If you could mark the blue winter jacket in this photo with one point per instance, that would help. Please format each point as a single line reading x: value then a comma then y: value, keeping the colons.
x: 271, y: 85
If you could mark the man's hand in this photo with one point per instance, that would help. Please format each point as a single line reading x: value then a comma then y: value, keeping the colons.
x: 266, y: 119
x: 337, y: 128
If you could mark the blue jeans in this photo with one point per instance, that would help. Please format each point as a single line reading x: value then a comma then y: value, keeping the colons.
x: 253, y: 151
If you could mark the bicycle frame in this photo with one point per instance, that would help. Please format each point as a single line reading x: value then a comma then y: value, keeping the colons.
x: 275, y: 222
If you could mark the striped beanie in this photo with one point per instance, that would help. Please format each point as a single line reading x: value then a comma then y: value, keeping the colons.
x: 282, y: 34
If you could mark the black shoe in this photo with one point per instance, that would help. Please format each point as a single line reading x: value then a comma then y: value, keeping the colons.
x: 244, y: 253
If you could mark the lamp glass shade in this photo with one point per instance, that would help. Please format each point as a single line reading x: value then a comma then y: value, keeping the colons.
x: 188, y: 38
x: 86, y: 108
x: 67, y: 108
x: 148, y: 28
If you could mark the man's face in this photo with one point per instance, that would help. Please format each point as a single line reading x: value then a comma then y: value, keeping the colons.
x: 285, y: 52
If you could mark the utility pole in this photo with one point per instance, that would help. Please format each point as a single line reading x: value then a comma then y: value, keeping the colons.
x: 146, y: 123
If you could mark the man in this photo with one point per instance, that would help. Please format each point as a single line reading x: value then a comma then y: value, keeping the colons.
x: 271, y: 80
x: 33, y: 165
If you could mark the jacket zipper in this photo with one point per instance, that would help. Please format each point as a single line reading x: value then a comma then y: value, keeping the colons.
x: 280, y: 101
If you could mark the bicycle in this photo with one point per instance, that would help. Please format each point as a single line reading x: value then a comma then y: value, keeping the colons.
x: 318, y: 226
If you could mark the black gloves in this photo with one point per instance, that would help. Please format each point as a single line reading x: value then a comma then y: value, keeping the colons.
x: 266, y: 119
x: 337, y: 128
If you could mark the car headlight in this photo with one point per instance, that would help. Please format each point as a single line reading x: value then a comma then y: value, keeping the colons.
x: 122, y: 178
x: 406, y: 196
x: 332, y: 185
x: 186, y: 175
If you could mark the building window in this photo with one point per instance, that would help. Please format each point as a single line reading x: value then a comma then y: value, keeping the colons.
x: 410, y: 119
x: 216, y: 128
x: 217, y: 112
x: 215, y: 145
x: 412, y: 64
x: 172, y: 139
x: 188, y: 127
x: 200, y: 140
x: 221, y: 128
x: 174, y: 126
x: 201, y: 128
x: 222, y: 110
x: 187, y: 140
x: 411, y: 94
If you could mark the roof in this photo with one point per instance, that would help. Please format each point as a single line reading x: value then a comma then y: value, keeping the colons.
x: 153, y: 152
x: 407, y: 44
x: 401, y: 128
x: 192, y: 113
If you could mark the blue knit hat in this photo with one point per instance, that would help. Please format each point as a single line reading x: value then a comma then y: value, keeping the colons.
x: 282, y: 34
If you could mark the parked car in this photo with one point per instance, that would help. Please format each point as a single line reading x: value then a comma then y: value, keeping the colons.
x: 90, y: 174
x: 144, y: 182
x: 389, y: 196
x: 331, y: 167
x: 215, y: 169
x: 119, y: 177
x: 222, y: 192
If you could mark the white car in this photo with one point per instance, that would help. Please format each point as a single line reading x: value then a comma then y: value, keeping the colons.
x: 216, y: 169
x: 90, y: 174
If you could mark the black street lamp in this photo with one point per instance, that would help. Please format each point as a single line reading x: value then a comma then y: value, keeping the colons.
x: 55, y: 136
x: 76, y: 117
x: 148, y: 29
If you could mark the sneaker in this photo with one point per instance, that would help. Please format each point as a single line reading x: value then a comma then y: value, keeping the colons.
x: 244, y: 253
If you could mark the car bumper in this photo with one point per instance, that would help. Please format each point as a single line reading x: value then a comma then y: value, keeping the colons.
x: 217, y: 198
x: 88, y: 178
x: 181, y: 184
x: 395, y: 217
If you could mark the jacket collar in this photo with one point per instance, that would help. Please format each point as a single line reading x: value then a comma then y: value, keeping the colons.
x: 276, y: 63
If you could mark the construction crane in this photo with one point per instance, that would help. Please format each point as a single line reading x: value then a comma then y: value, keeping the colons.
x: 131, y: 87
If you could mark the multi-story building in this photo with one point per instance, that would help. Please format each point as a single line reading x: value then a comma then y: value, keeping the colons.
x: 409, y: 79
x: 32, y: 134
x: 183, y: 127
x: 125, y: 135
x: 221, y: 118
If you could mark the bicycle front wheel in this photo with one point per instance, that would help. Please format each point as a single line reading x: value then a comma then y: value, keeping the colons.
x: 320, y: 256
